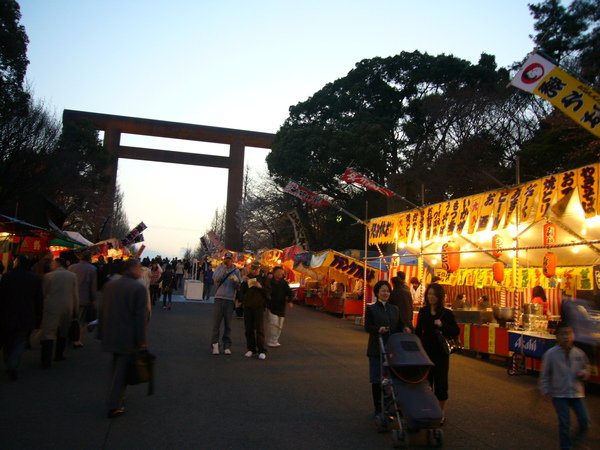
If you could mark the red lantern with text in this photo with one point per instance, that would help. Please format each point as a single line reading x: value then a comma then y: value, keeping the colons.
x: 549, y: 234
x: 497, y: 242
x: 549, y: 265
x: 450, y: 261
x: 498, y: 270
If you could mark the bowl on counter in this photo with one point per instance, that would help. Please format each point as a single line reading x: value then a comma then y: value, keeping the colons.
x: 503, y: 314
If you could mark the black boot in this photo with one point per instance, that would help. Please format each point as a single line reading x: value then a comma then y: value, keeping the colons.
x: 376, y: 391
x: 59, y: 352
x: 46, y: 353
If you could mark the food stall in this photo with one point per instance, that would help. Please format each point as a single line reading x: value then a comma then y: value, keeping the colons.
x: 334, y: 281
x: 502, y: 244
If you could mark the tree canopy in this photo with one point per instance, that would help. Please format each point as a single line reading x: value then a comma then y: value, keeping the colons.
x: 434, y: 127
x: 13, y: 61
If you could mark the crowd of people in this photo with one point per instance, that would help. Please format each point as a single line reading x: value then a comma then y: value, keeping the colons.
x: 62, y: 299
x: 565, y: 366
x: 59, y: 300
x: 260, y: 296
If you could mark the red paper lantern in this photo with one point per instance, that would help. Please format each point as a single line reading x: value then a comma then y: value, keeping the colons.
x: 450, y: 261
x: 498, y: 269
x: 549, y: 234
x: 497, y: 242
x: 549, y: 265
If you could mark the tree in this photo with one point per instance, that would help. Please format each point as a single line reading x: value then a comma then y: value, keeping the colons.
x: 404, y: 121
x: 120, y: 224
x: 570, y: 34
x: 80, y: 164
x: 27, y: 147
x: 14, y: 100
x: 39, y: 159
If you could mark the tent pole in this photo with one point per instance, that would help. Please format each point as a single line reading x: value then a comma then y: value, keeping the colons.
x: 366, y: 223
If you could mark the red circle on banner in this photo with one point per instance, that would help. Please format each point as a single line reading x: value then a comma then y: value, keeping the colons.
x: 532, y: 73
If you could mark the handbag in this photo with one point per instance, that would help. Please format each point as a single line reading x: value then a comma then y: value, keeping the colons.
x: 141, y: 369
x: 449, y: 345
x: 74, y: 331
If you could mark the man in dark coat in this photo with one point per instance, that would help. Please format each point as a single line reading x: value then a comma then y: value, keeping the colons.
x: 402, y: 298
x: 253, y: 296
x: 21, y: 300
x: 122, y: 328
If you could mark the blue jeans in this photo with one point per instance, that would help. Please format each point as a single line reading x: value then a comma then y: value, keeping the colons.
x: 563, y: 407
x: 167, y: 296
x: 222, y: 311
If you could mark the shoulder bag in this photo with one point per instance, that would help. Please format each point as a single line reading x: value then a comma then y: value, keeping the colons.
x: 448, y: 345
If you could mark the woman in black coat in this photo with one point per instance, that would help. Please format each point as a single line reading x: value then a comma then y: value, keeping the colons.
x: 433, y: 319
x: 381, y: 319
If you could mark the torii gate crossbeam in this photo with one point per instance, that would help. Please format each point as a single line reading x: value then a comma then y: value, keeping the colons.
x: 113, y: 126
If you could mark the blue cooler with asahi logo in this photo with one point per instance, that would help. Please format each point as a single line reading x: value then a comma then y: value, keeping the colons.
x: 533, y: 345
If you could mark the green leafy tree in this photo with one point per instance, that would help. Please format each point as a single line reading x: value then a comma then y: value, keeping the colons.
x: 570, y: 34
x: 14, y: 100
x: 404, y: 121
x: 80, y: 165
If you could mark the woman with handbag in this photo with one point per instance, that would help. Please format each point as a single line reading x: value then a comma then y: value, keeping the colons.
x: 436, y: 324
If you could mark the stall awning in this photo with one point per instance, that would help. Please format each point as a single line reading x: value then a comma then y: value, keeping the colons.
x: 513, y: 216
x: 319, y: 263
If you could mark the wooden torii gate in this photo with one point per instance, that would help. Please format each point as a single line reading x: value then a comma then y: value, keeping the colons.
x: 113, y: 126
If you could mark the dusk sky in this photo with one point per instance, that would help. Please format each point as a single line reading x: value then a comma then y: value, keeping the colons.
x: 234, y: 64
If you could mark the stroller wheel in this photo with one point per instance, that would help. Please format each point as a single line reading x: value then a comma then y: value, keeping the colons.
x: 400, y: 438
x: 435, y: 438
x: 382, y: 423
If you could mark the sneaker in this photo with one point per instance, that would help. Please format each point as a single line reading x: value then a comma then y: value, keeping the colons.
x: 274, y: 344
x: 227, y: 351
x: 116, y: 412
x: 215, y: 348
x: 248, y: 354
x: 262, y: 356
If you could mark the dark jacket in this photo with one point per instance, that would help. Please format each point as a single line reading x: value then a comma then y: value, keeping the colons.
x: 402, y: 298
x: 21, y: 301
x: 168, y: 281
x: 253, y: 297
x: 426, y: 330
x: 279, y: 295
x: 379, y: 315
x: 122, y: 322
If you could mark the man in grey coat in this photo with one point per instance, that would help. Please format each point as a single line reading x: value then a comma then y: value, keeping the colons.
x: 227, y: 278
x: 122, y: 329
x: 61, y: 304
x: 87, y: 278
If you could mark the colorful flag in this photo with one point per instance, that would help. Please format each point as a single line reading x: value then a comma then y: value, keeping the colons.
x: 574, y: 98
x: 351, y: 176
x: 133, y: 234
x: 306, y: 195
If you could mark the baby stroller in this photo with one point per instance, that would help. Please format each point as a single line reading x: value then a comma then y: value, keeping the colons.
x: 408, y: 403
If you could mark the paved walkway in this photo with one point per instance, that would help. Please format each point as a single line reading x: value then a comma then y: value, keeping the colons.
x: 311, y: 393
